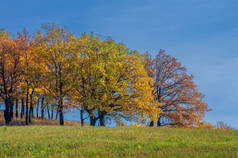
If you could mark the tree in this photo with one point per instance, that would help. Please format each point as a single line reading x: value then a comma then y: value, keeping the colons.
x: 27, y: 80
x: 54, y: 49
x: 31, y: 73
x: 182, y: 104
x: 10, y: 72
x: 102, y: 78
x: 111, y: 80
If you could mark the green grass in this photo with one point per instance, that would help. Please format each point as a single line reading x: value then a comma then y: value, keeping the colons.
x: 56, y: 141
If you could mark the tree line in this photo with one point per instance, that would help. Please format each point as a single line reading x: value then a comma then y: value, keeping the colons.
x: 54, y: 70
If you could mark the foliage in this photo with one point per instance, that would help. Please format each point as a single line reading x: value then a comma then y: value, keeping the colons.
x: 54, y: 71
x: 182, y: 104
x: 54, y: 48
x: 111, y: 80
x: 10, y: 72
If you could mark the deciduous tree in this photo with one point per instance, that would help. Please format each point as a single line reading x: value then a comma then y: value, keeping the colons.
x: 55, y: 48
x: 182, y: 104
x: 112, y: 81
x: 10, y: 72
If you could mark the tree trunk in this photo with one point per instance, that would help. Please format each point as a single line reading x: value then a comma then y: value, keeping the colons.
x: 27, y: 116
x: 22, y: 108
x: 159, y: 122
x: 92, y: 121
x: 52, y: 112
x: 152, y: 124
x: 32, y: 112
x: 31, y: 106
x: 159, y: 96
x: 7, y: 111
x: 16, y: 108
x: 27, y: 111
x: 48, y: 110
x: 42, y: 108
x: 37, y: 108
x: 101, y: 117
x: 11, y: 110
x: 81, y: 117
x: 61, y: 116
x: 61, y: 107
x: 56, y: 115
x: 92, y: 118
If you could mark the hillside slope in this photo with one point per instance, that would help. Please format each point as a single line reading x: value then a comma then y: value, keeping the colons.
x: 36, y: 121
x: 56, y: 141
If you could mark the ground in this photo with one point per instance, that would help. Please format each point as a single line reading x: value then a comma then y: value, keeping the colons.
x: 35, y: 121
x: 75, y: 141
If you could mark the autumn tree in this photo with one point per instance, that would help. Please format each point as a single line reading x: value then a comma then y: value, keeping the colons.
x: 54, y: 49
x: 10, y: 72
x: 28, y: 78
x: 57, y: 70
x: 110, y: 80
x: 182, y: 104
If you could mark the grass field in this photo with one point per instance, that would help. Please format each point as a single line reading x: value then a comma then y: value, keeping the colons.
x: 71, y: 141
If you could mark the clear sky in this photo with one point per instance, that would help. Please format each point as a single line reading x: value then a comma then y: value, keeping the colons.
x: 202, y: 34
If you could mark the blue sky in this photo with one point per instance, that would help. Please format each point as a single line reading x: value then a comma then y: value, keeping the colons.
x: 202, y: 34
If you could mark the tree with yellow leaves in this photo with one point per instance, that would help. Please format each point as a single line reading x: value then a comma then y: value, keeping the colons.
x: 102, y: 78
x: 110, y: 80
x: 29, y: 77
x: 54, y: 48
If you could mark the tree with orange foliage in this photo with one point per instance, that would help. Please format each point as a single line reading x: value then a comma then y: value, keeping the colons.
x: 182, y: 104
x: 10, y: 72
x: 55, y: 48
x: 29, y: 78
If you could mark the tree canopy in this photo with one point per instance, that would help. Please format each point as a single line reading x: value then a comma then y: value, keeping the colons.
x: 54, y: 70
x: 181, y: 103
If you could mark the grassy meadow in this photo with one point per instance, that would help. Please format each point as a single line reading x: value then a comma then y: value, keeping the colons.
x: 73, y: 141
